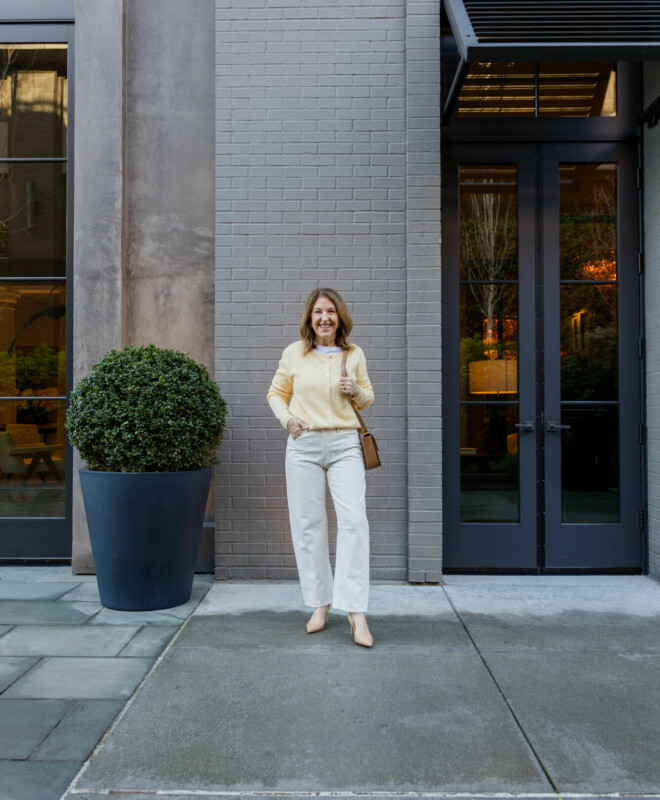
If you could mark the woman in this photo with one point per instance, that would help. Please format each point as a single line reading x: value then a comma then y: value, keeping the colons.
x: 310, y: 398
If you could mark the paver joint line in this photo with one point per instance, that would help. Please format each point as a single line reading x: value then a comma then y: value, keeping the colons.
x: 38, y: 661
x: 518, y: 723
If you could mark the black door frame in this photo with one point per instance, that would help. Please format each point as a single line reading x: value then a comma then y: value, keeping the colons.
x: 48, y: 540
x: 532, y: 133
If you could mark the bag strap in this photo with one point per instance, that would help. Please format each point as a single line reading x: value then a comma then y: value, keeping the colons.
x: 344, y: 374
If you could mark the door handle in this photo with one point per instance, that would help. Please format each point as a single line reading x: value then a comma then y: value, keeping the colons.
x: 553, y: 427
x: 526, y: 427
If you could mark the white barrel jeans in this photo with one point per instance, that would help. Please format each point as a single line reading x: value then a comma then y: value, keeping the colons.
x: 309, y: 458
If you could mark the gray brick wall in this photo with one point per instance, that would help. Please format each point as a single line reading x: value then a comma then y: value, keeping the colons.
x: 318, y: 181
x: 423, y: 290
x: 652, y: 314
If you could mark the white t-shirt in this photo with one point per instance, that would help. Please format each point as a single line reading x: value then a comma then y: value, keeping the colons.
x: 327, y: 350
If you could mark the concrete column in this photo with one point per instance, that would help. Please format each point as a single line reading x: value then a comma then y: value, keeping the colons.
x: 144, y: 191
x: 169, y: 268
x: 98, y: 207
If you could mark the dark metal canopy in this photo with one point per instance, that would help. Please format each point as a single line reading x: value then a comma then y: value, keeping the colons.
x: 550, y: 30
x: 558, y: 30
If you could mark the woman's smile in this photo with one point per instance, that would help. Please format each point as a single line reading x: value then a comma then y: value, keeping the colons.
x: 325, y: 321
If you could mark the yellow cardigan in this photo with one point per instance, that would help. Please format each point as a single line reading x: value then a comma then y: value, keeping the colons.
x: 307, y: 387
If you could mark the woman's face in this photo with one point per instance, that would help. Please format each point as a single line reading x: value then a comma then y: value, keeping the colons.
x: 325, y: 321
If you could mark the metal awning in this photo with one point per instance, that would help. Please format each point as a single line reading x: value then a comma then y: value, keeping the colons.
x: 558, y: 30
x: 550, y: 30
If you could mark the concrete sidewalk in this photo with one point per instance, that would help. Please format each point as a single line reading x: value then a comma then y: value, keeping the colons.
x: 67, y: 668
x: 525, y: 687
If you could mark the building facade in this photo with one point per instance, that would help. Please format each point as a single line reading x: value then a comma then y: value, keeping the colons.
x: 491, y: 217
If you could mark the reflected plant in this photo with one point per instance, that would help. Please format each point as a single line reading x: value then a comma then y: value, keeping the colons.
x: 505, y: 465
x: 35, y: 412
x: 488, y: 248
x: 38, y: 369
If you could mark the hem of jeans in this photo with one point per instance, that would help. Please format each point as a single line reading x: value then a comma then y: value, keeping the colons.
x: 317, y: 605
x: 348, y: 609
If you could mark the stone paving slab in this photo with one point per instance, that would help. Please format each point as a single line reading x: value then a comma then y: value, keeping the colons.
x: 63, y: 677
x: 83, y: 678
x: 12, y: 667
x: 64, y: 574
x: 35, y: 612
x: 30, y: 780
x: 294, y: 718
x: 79, y: 730
x: 22, y: 590
x: 66, y: 640
x: 150, y: 641
x: 24, y: 724
x: 591, y: 716
x: 25, y: 573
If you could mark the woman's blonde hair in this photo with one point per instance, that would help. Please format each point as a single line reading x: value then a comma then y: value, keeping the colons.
x: 344, y: 327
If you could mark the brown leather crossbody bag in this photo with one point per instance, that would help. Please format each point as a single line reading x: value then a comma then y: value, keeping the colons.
x: 367, y: 440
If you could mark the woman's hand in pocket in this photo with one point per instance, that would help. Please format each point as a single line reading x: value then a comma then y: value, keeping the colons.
x: 296, y: 426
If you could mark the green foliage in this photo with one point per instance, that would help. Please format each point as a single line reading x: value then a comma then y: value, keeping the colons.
x: 145, y: 409
x: 38, y: 369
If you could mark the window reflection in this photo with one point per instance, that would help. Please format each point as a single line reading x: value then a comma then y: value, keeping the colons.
x: 587, y: 222
x: 489, y: 463
x: 488, y: 223
x: 539, y: 89
x: 590, y: 464
x: 32, y: 458
x: 577, y: 90
x: 33, y: 371
x: 489, y: 341
x: 503, y: 89
x: 32, y: 219
x: 33, y: 245
x: 589, y: 342
x: 33, y: 100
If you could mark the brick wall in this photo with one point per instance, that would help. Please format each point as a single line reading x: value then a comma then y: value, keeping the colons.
x: 652, y: 314
x: 317, y: 174
x: 423, y: 291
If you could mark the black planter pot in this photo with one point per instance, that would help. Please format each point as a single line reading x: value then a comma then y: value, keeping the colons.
x: 145, y: 529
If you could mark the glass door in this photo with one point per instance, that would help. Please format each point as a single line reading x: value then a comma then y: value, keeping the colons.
x: 591, y: 360
x: 489, y: 352
x: 541, y: 368
x: 34, y: 259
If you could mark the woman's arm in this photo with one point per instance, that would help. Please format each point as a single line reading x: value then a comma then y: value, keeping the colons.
x: 280, y: 392
x: 365, y: 396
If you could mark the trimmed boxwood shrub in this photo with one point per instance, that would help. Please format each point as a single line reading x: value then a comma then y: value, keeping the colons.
x: 146, y: 409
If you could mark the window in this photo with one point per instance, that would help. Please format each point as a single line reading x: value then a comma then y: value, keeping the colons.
x: 539, y: 89
x: 33, y: 245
